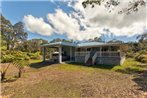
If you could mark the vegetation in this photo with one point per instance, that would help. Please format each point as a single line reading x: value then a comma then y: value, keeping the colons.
x: 129, y: 66
x: 71, y: 80
x: 110, y: 4
x: 20, y: 66
x: 12, y: 34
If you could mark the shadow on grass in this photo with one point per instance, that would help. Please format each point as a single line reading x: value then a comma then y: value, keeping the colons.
x: 141, y: 81
x: 42, y: 64
x: 95, y: 66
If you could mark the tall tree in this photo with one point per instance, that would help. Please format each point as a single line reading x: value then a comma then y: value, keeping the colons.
x: 12, y: 34
x: 19, y: 35
x: 6, y: 31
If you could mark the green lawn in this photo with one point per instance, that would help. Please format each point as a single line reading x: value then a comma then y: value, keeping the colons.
x: 71, y: 81
x: 129, y: 66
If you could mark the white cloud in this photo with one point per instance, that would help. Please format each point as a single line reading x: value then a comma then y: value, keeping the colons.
x: 119, y: 24
x: 37, y: 25
x: 92, y: 21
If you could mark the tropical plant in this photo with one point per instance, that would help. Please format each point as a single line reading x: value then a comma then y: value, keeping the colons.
x: 20, y: 66
x: 3, y: 71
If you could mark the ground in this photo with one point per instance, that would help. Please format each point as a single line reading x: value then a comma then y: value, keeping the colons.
x: 42, y: 80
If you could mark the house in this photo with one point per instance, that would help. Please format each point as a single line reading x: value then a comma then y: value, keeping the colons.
x: 89, y: 53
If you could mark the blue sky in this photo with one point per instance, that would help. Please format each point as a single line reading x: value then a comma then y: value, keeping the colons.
x: 16, y: 10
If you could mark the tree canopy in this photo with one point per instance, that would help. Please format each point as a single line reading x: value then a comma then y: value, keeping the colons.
x: 133, y: 5
x: 12, y: 34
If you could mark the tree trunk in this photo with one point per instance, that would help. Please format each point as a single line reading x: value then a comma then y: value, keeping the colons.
x: 19, y: 74
x: 8, y: 46
x: 3, y: 76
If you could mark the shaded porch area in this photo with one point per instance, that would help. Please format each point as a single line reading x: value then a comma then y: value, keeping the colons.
x: 58, y: 53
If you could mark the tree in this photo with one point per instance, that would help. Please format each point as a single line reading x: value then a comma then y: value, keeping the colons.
x: 32, y: 45
x: 6, y: 31
x: 115, y: 41
x: 142, y: 37
x: 60, y: 40
x: 133, y: 5
x: 19, y: 34
x: 12, y: 34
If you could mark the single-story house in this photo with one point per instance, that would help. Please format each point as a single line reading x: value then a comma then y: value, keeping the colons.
x: 89, y: 53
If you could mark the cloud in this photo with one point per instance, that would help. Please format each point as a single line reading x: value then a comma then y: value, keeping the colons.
x: 83, y: 24
x: 37, y: 25
x: 66, y: 24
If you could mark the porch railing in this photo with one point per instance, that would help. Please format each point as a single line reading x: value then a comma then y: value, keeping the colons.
x: 81, y: 53
x: 102, y: 54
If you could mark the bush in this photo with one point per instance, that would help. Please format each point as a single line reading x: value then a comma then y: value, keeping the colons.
x: 118, y: 68
x: 20, y: 55
x: 141, y: 56
x: 130, y: 55
x: 34, y: 55
x: 10, y: 56
x: 7, y: 58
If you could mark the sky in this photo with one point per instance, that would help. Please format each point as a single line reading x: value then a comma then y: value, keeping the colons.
x: 69, y: 20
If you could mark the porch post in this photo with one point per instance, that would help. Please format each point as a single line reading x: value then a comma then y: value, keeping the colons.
x: 60, y: 54
x: 75, y: 55
x: 70, y: 53
x: 109, y: 51
x: 44, y: 53
x: 100, y: 51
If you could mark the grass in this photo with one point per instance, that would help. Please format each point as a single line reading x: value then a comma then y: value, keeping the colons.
x: 72, y: 81
x: 129, y: 66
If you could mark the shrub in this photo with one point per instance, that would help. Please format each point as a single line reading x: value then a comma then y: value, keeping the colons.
x: 118, y: 69
x: 10, y: 56
x: 130, y: 54
x: 7, y: 58
x: 20, y: 55
x: 141, y: 56
x: 34, y: 55
x: 20, y: 66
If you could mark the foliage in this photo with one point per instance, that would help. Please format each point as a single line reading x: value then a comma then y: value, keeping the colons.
x: 60, y: 40
x: 110, y: 4
x: 34, y: 55
x: 3, y: 72
x: 12, y: 34
x: 115, y: 41
x: 32, y: 45
x: 20, y: 64
x: 11, y: 56
x: 141, y: 56
x: 142, y: 37
x: 7, y: 58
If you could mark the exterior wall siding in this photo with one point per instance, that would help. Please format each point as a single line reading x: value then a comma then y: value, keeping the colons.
x: 108, y: 60
x: 80, y: 59
x: 101, y: 60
